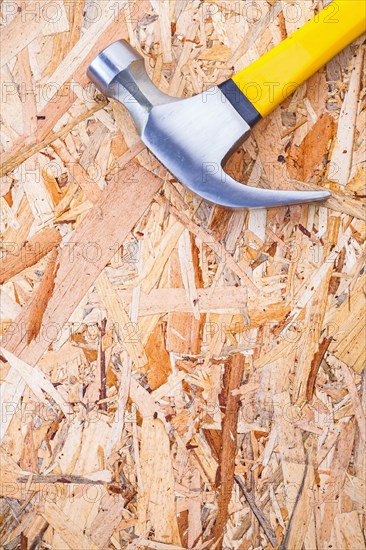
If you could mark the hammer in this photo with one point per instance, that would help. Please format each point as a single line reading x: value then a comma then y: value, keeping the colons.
x: 193, y: 137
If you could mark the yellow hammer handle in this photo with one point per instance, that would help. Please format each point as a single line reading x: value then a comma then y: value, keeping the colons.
x: 276, y: 75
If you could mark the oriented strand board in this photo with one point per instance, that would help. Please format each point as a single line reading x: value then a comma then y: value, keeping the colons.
x: 175, y: 375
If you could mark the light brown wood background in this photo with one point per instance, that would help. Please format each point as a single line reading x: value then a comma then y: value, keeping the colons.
x: 177, y: 375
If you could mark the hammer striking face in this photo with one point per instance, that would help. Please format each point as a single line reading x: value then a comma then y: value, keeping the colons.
x: 194, y: 137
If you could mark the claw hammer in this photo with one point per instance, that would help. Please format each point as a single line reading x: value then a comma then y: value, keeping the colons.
x: 193, y: 137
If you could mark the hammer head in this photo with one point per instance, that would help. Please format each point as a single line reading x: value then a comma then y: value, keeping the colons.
x: 192, y: 137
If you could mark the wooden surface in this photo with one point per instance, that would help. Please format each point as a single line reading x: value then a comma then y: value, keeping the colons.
x: 173, y: 374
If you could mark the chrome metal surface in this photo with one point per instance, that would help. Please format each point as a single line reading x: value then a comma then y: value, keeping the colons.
x: 192, y: 137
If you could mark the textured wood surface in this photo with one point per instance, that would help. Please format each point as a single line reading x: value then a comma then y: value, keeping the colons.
x: 174, y: 375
